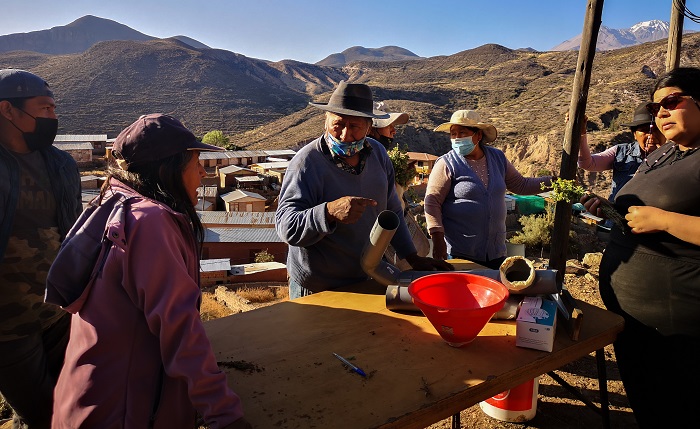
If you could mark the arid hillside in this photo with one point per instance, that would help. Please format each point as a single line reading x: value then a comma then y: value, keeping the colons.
x: 262, y: 104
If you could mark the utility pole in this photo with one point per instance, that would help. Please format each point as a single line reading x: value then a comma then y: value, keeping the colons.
x: 675, y: 35
x: 572, y: 137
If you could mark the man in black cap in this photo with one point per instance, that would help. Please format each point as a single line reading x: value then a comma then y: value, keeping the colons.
x: 333, y: 191
x: 624, y: 159
x: 39, y: 201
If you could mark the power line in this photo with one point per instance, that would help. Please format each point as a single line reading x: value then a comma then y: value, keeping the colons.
x: 680, y: 5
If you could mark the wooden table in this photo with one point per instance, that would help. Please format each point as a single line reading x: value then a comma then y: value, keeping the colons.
x: 414, y: 378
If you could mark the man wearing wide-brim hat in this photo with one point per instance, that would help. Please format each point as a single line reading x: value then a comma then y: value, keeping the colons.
x: 624, y: 158
x: 465, y: 209
x: 334, y: 189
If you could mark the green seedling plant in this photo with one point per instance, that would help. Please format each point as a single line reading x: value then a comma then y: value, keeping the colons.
x: 566, y: 190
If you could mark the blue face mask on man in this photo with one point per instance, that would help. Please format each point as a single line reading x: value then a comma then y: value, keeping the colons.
x: 345, y: 149
x: 463, y: 145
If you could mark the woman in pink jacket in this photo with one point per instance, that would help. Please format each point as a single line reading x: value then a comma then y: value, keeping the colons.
x: 138, y: 355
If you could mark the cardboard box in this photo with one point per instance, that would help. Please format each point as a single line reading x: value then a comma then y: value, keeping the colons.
x: 536, y: 324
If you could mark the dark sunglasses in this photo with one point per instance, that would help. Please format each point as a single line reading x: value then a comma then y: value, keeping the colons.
x: 669, y: 102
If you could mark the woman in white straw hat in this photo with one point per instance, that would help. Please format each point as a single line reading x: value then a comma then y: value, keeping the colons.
x: 465, y: 200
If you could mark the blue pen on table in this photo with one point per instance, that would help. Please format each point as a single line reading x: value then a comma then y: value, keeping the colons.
x: 351, y: 366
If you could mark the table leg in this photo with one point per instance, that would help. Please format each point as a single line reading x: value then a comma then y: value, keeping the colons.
x: 604, y: 409
x: 603, y: 387
x: 455, y: 421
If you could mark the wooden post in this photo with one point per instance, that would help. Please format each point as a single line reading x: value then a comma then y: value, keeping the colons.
x: 572, y: 137
x: 675, y: 35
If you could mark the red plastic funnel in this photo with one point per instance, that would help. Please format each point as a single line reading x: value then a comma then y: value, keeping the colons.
x: 458, y: 305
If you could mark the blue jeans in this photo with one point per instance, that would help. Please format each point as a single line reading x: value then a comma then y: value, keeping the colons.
x: 297, y: 291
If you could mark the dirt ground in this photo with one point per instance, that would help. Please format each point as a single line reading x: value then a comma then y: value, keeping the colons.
x: 557, y: 408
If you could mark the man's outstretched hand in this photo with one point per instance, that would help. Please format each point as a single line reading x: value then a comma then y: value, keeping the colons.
x: 348, y: 209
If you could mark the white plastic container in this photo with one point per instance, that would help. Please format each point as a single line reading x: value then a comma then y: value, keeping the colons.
x: 518, y: 404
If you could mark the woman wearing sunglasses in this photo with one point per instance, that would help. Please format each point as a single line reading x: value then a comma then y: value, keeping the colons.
x: 650, y: 272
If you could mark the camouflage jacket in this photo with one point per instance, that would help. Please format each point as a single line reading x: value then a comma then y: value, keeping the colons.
x: 66, y: 190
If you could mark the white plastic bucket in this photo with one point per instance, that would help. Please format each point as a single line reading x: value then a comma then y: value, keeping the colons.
x: 513, y: 249
x: 518, y: 404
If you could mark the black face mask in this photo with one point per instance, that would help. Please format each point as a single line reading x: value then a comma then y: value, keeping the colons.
x: 387, y: 142
x: 44, y: 133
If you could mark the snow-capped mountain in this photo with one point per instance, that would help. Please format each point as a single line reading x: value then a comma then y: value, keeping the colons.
x: 611, y: 38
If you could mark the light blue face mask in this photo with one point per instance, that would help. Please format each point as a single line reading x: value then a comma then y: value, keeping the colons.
x: 463, y: 145
x: 345, y: 149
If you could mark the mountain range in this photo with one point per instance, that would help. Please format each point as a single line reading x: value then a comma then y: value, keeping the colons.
x: 610, y: 38
x: 78, y: 36
x: 359, y: 53
x: 262, y: 104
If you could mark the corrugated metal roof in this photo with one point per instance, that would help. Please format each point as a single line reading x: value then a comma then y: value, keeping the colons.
x: 259, y: 219
x: 227, y: 154
x: 80, y: 138
x: 239, y: 193
x: 256, y: 267
x: 235, y: 169
x: 241, y: 235
x: 420, y: 156
x: 74, y: 146
x: 271, y: 165
x: 278, y: 152
x: 209, y: 265
x: 249, y: 179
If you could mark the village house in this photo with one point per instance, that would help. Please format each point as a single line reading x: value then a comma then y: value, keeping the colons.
x: 274, y: 170
x: 80, y: 151
x: 242, y: 244
x: 214, y: 271
x: 90, y: 182
x: 98, y: 141
x: 231, y: 157
x: 206, y: 197
x: 228, y: 176
x: 258, y: 272
x: 423, y: 164
x: 243, y: 201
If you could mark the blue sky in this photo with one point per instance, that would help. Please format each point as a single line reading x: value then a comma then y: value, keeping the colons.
x: 310, y: 30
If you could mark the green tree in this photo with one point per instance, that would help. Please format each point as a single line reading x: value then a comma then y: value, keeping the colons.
x: 403, y: 171
x: 216, y: 138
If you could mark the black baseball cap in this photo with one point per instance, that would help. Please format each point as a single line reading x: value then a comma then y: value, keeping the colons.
x: 15, y: 83
x: 152, y: 137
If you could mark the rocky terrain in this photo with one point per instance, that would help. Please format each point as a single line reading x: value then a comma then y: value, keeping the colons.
x: 264, y: 105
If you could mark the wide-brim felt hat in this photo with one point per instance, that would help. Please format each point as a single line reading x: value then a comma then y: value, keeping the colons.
x: 470, y: 118
x: 395, y: 118
x: 352, y: 99
x: 641, y: 117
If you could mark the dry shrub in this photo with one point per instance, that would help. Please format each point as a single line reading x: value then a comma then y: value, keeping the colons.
x: 257, y: 294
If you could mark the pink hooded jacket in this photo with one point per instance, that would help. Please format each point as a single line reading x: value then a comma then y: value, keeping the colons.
x: 136, y: 334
